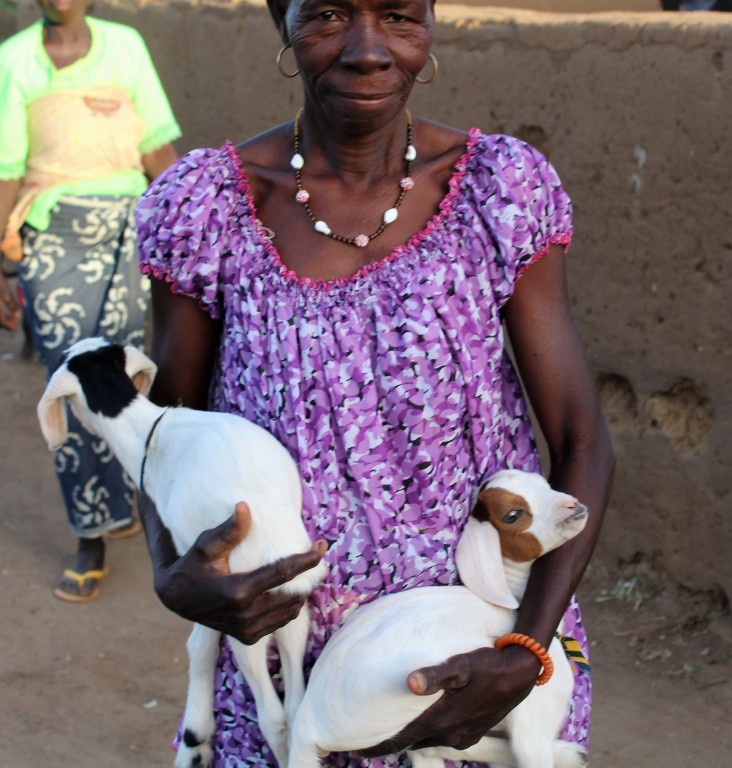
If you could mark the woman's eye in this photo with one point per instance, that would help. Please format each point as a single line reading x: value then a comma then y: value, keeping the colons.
x: 512, y: 516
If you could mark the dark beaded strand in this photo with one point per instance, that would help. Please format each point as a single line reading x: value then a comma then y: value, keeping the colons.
x: 302, y: 197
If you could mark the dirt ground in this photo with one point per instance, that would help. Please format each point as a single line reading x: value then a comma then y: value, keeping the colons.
x: 102, y: 684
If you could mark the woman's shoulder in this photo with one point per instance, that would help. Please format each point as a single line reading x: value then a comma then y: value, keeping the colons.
x: 205, y: 171
x: 483, y: 160
x: 197, y: 196
x: 260, y: 157
x: 513, y: 188
x: 113, y: 30
x: 19, y: 45
x: 498, y: 151
x: 503, y: 171
x: 185, y: 221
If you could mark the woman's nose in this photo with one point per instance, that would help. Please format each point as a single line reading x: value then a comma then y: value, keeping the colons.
x: 366, y: 47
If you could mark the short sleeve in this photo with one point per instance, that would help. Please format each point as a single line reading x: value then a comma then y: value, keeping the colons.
x: 523, y: 204
x: 181, y: 222
x: 151, y: 101
x: 13, y: 124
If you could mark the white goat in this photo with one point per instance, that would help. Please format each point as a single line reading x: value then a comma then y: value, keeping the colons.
x: 196, y: 466
x: 357, y: 694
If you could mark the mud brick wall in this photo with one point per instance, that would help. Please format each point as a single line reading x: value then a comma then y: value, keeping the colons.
x: 635, y: 110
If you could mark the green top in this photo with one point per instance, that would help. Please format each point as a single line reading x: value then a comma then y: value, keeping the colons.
x: 118, y: 56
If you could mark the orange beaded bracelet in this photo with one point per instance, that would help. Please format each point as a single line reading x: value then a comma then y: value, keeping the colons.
x: 514, y: 638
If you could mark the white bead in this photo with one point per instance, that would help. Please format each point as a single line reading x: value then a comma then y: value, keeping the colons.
x: 390, y: 215
x: 322, y: 227
x: 297, y: 161
x: 411, y: 153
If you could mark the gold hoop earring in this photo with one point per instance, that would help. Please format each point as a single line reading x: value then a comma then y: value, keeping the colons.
x: 435, y: 67
x: 280, y: 54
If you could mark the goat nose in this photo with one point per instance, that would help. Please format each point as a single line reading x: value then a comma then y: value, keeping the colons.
x: 570, y: 502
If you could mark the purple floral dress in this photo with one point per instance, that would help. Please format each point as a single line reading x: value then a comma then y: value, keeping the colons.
x: 391, y: 388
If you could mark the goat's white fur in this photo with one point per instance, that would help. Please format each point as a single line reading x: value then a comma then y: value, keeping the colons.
x: 357, y: 694
x: 199, y: 465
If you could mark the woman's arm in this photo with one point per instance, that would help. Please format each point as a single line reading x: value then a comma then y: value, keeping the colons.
x: 561, y: 389
x: 158, y: 160
x: 184, y: 343
x: 9, y: 311
x: 198, y: 585
x: 483, y: 686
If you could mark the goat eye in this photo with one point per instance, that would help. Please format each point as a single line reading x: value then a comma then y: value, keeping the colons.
x: 512, y: 516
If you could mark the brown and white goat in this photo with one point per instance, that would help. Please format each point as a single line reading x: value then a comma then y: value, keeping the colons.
x: 357, y: 694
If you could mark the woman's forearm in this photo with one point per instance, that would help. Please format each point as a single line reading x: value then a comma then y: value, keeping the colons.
x: 556, y: 576
x: 9, y: 311
x: 158, y: 160
x: 8, y: 195
x: 159, y: 541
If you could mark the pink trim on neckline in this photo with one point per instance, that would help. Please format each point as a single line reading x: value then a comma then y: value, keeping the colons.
x: 444, y: 210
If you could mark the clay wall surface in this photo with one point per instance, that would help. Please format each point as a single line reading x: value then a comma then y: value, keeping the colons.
x: 567, y: 6
x: 635, y: 110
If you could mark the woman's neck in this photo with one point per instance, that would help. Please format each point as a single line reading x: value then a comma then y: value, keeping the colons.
x: 359, y: 159
x: 68, y: 42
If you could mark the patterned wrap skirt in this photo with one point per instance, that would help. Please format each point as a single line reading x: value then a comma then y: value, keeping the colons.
x: 80, y: 278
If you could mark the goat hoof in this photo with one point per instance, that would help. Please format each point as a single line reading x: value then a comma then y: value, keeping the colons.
x: 197, y: 756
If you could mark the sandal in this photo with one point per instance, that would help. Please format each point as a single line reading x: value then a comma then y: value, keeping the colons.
x: 125, y: 531
x: 76, y: 587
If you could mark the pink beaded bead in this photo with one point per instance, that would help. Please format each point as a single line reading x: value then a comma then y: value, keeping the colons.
x: 407, y: 183
x: 361, y: 240
x: 302, y: 196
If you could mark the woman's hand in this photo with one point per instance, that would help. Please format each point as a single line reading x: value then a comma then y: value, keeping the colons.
x: 9, y: 310
x: 481, y: 688
x: 200, y: 587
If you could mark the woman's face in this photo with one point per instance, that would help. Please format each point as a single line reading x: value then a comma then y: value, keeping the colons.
x: 358, y: 58
x: 62, y: 11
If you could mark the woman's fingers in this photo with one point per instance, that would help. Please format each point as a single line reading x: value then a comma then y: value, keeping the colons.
x: 478, y: 692
x: 280, y: 610
x: 200, y: 586
x: 453, y: 674
x: 215, y: 545
x: 278, y: 573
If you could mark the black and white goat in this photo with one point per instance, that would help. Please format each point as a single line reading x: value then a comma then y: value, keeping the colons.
x: 357, y: 694
x: 197, y: 465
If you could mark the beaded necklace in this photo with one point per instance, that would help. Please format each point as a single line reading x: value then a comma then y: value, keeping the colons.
x: 303, y: 196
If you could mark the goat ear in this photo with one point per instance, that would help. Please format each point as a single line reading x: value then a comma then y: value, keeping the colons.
x: 51, y: 409
x: 140, y: 368
x: 480, y: 564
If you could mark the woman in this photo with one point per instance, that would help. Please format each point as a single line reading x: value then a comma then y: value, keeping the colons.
x: 84, y: 125
x: 342, y: 280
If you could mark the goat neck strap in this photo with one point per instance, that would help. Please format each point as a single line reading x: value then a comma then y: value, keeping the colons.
x: 573, y: 651
x: 147, y: 446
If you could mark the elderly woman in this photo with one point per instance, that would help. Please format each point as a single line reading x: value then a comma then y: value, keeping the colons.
x: 84, y: 126
x: 344, y: 280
